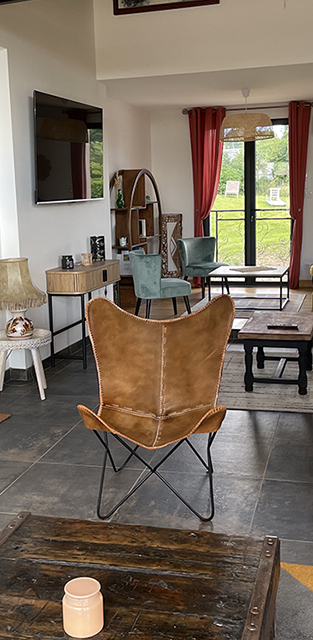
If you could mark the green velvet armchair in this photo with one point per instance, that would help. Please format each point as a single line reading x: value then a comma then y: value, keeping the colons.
x: 149, y: 284
x: 197, y: 258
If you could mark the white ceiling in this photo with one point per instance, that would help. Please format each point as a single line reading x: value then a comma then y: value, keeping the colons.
x: 268, y: 86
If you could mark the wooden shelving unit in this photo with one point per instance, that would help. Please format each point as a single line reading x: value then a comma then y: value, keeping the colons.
x: 136, y: 208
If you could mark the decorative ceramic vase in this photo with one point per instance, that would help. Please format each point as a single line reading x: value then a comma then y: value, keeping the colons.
x: 82, y: 607
x: 120, y: 200
x: 19, y: 326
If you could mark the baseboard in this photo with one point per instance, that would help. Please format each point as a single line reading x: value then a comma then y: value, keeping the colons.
x: 305, y: 284
x: 29, y: 373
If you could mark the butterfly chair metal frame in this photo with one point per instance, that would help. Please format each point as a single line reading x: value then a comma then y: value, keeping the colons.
x: 153, y: 470
x: 165, y: 391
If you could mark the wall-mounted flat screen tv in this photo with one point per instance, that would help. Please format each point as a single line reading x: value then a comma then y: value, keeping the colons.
x: 69, y: 150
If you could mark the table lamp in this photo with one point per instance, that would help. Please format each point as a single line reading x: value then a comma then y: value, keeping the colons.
x: 17, y: 294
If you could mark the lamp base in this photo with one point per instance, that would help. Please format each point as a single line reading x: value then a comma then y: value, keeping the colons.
x: 19, y: 326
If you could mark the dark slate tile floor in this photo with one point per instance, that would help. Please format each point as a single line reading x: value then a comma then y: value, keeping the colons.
x: 263, y: 461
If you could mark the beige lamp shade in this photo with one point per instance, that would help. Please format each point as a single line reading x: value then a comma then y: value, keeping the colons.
x: 246, y: 127
x: 63, y: 129
x: 16, y: 288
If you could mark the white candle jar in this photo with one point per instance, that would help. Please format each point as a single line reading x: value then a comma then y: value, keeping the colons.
x: 82, y: 607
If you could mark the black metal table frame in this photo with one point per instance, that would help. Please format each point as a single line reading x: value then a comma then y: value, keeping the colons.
x: 250, y: 281
x: 304, y: 360
x: 81, y: 321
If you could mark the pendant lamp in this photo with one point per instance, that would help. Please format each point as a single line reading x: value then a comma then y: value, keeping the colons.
x: 246, y: 127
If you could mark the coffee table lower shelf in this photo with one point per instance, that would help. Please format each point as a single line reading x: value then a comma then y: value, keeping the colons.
x: 157, y: 583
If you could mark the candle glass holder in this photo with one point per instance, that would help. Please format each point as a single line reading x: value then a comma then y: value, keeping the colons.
x: 82, y: 608
x: 86, y: 259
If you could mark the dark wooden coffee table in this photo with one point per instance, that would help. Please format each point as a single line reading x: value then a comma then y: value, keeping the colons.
x: 157, y: 583
x: 255, y: 333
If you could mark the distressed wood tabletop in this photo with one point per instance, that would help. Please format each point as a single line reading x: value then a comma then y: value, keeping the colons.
x: 157, y: 583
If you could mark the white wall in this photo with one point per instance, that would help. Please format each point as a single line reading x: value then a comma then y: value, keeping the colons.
x: 128, y: 136
x: 50, y: 47
x: 171, y: 164
x: 188, y: 40
x: 128, y: 141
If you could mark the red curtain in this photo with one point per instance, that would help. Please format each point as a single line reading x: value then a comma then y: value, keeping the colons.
x: 299, y: 123
x: 206, y: 152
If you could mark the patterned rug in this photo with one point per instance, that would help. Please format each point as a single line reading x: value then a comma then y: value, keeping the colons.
x: 4, y: 416
x: 301, y: 572
x: 265, y: 396
x: 293, y: 306
x: 294, y: 610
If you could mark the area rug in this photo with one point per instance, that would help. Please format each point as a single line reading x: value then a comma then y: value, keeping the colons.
x: 294, y: 604
x: 293, y: 306
x: 302, y: 572
x: 265, y: 396
x: 4, y: 416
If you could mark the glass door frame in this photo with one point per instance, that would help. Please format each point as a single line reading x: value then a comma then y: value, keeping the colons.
x: 250, y: 197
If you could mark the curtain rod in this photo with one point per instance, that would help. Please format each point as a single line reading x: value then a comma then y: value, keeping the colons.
x: 277, y: 106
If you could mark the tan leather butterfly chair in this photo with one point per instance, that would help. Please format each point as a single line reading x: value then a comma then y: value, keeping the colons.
x: 158, y: 383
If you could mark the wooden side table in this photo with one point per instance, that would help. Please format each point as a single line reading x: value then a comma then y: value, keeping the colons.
x: 39, y: 338
x: 77, y: 282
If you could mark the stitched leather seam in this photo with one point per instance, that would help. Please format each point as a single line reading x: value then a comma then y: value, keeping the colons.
x: 161, y: 405
x: 165, y: 323
x: 194, y: 430
x: 153, y: 415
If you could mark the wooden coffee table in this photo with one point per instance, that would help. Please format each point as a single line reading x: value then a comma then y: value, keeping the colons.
x: 157, y: 583
x: 255, y: 333
x: 281, y: 274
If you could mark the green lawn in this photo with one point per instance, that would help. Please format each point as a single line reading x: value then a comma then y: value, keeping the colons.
x: 273, y: 235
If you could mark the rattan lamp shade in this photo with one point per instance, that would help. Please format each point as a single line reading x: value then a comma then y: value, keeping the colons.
x: 16, y: 288
x: 246, y: 127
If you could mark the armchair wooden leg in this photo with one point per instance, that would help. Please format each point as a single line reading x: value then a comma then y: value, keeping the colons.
x: 203, y: 286
x: 148, y: 307
x: 138, y: 303
x: 187, y: 303
x: 174, y: 306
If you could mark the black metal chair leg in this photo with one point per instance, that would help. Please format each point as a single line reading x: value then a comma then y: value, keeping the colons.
x: 203, y: 286
x: 227, y: 285
x: 208, y: 280
x: 148, y: 308
x: 138, y: 303
x: 187, y: 304
x: 153, y: 470
x: 174, y: 306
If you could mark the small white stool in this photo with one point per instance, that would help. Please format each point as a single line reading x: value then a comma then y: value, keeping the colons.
x: 39, y: 338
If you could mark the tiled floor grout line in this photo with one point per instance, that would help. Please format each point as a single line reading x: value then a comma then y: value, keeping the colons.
x: 133, y: 485
x: 36, y: 461
x: 263, y: 477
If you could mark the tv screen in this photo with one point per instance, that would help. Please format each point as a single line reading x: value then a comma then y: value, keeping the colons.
x: 69, y: 150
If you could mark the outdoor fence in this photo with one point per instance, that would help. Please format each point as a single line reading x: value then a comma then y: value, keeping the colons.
x: 273, y: 235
